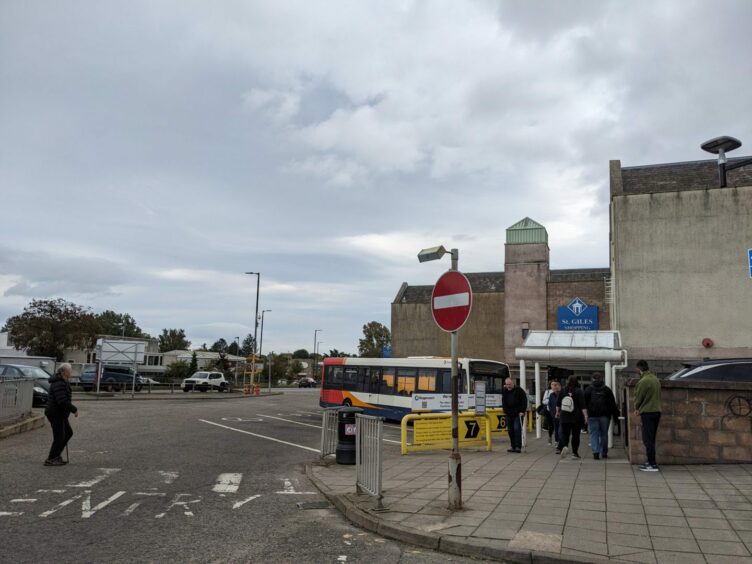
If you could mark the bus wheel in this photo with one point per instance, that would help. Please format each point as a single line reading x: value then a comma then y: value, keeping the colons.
x: 347, y: 403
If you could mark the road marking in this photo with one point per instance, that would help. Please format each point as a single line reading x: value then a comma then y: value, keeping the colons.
x: 86, y: 509
x: 240, y: 503
x: 23, y: 500
x: 168, y: 477
x: 290, y: 489
x: 60, y: 506
x: 131, y: 508
x: 176, y: 502
x: 227, y: 483
x: 10, y: 513
x: 106, y: 472
x: 260, y: 436
x: 240, y: 419
x: 50, y: 491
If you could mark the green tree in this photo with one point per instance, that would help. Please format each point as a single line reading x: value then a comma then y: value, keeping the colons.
x: 48, y: 327
x: 173, y: 340
x: 119, y: 325
x: 301, y: 353
x: 375, y: 337
x: 247, y: 348
x: 178, y: 371
x: 194, y: 363
x: 334, y: 353
x: 233, y: 349
x: 295, y: 368
x: 219, y: 346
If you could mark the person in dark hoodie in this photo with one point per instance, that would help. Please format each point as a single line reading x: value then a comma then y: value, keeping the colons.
x: 573, y: 413
x: 514, y: 402
x: 59, y: 408
x: 601, y: 407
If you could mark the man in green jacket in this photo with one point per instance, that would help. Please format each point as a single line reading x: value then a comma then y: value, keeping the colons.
x: 647, y: 401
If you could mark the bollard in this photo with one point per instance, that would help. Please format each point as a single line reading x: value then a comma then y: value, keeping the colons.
x: 346, y: 431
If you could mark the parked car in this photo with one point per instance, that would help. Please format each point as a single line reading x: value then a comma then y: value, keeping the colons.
x: 205, y: 381
x: 718, y: 370
x: 114, y: 379
x: 41, y: 380
x: 307, y: 382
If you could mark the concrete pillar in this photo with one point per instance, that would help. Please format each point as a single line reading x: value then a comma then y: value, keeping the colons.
x: 608, y: 379
x: 537, y: 400
x: 523, y: 381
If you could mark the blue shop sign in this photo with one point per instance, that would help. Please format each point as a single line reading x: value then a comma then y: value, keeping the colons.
x: 577, y: 316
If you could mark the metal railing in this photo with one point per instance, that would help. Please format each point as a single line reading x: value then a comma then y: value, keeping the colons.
x: 16, y: 397
x: 329, y: 431
x: 368, y: 457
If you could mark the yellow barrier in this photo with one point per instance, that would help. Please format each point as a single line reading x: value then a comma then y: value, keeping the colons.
x: 499, y: 421
x: 434, y: 431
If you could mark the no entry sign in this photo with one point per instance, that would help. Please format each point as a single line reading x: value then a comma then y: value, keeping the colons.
x: 451, y: 301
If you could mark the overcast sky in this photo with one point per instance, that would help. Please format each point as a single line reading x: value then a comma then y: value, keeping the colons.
x: 151, y: 152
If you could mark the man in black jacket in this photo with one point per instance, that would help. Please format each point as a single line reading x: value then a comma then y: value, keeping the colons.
x: 59, y: 408
x: 514, y: 402
x: 601, y: 408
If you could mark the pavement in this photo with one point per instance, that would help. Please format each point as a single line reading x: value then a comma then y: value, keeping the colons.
x: 537, y: 507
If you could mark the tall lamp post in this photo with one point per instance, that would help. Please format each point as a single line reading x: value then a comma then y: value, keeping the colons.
x: 261, y: 344
x: 237, y: 362
x: 318, y: 348
x: 255, y: 324
x: 313, y: 368
x: 455, y: 460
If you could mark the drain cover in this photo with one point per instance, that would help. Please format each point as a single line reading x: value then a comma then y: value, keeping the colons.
x: 313, y: 505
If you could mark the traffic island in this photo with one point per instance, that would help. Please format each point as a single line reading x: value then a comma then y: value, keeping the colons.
x: 29, y: 423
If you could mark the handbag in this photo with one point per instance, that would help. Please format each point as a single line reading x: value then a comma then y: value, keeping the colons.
x: 541, y: 409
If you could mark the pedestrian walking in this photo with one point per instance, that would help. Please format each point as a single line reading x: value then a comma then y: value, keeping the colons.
x: 572, y: 411
x: 647, y: 401
x: 59, y: 407
x: 601, y: 408
x: 550, y: 399
x: 514, y: 402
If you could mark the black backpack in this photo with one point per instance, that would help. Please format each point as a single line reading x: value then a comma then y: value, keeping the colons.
x: 598, y: 404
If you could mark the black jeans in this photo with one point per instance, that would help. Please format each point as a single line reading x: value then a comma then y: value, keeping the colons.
x: 565, y: 430
x: 649, y: 431
x: 514, y: 428
x: 61, y: 434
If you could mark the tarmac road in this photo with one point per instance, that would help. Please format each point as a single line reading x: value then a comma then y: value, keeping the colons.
x: 181, y: 481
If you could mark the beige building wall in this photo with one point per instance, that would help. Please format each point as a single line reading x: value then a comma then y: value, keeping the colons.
x: 680, y: 271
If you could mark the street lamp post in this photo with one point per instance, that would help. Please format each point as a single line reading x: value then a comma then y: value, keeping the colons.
x: 237, y: 362
x: 316, y: 356
x: 261, y: 344
x: 313, y: 368
x: 255, y: 325
x: 455, y: 460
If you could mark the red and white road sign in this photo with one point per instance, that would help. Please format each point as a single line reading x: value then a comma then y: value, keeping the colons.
x: 451, y: 300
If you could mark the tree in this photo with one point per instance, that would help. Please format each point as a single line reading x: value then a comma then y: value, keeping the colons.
x: 233, y: 349
x: 295, y: 368
x: 334, y: 353
x: 48, y: 327
x: 301, y: 353
x: 178, y: 371
x: 247, y: 348
x: 194, y: 363
x: 375, y: 337
x: 173, y: 340
x: 219, y: 346
x: 280, y: 366
x: 119, y: 324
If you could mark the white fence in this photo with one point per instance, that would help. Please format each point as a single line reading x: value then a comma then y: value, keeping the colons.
x: 368, y: 456
x: 16, y: 397
x: 329, y: 432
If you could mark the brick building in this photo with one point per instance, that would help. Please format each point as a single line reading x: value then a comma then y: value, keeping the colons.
x: 527, y: 295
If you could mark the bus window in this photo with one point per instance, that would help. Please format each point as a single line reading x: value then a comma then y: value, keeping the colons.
x: 387, y: 381
x: 426, y: 379
x: 333, y: 377
x: 374, y: 376
x: 444, y: 381
x: 406, y: 381
x: 493, y: 374
x: 351, y: 379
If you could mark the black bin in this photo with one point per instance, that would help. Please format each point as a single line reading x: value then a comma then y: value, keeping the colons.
x: 345, y: 453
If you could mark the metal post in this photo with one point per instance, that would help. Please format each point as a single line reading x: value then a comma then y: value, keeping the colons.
x: 537, y: 400
x: 455, y: 459
x: 607, y: 380
x: 313, y: 355
x: 271, y: 355
x: 523, y: 379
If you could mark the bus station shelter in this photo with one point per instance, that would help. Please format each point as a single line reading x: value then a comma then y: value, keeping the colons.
x: 573, y: 350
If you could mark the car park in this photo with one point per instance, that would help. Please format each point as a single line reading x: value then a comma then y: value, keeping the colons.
x: 307, y: 382
x: 41, y: 380
x: 716, y: 370
x: 114, y: 379
x: 205, y: 381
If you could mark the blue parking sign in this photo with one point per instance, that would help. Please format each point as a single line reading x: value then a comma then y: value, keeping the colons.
x: 749, y: 256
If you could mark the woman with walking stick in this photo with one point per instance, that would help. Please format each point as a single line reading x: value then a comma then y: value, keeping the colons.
x: 59, y: 408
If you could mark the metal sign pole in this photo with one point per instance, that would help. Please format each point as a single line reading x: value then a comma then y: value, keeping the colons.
x: 455, y: 460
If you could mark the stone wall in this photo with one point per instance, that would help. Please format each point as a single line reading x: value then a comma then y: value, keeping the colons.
x: 701, y: 423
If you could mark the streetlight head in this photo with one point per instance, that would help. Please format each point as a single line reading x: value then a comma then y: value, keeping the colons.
x: 432, y: 253
x: 721, y: 144
x: 251, y: 272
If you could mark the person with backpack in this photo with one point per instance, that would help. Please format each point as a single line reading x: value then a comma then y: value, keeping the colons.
x: 59, y: 408
x: 573, y: 414
x: 550, y: 400
x: 601, y: 407
x: 514, y: 402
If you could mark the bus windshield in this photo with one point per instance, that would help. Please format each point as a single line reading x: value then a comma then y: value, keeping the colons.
x: 492, y: 373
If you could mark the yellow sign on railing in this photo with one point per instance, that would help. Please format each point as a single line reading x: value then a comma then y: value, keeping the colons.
x: 434, y: 431
x: 499, y: 421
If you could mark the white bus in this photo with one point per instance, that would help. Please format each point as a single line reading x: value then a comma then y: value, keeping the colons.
x: 385, y: 386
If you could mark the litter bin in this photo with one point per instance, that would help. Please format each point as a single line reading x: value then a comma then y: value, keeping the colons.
x: 345, y: 453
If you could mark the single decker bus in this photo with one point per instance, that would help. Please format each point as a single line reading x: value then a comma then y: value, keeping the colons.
x: 387, y: 387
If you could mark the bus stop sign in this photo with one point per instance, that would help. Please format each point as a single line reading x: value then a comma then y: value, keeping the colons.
x: 451, y: 301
